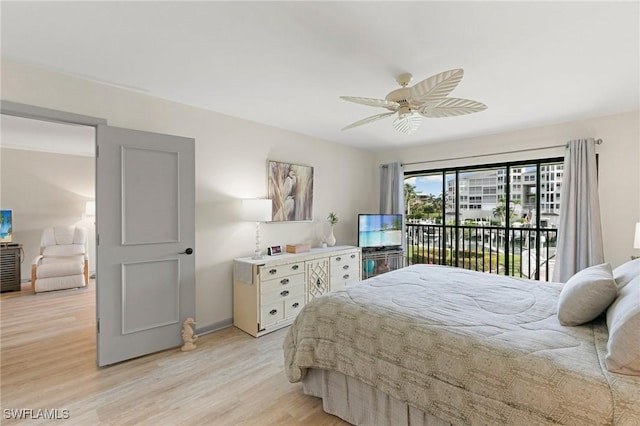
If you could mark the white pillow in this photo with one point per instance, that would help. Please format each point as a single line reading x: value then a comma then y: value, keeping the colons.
x: 623, y: 321
x: 586, y: 295
x: 626, y: 272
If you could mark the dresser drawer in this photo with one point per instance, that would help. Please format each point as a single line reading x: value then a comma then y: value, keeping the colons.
x: 345, y: 270
x: 348, y: 276
x: 340, y: 279
x: 343, y: 258
x: 271, y: 312
x: 273, y: 272
x: 282, y: 283
x: 282, y: 293
x: 345, y: 267
x: 292, y: 306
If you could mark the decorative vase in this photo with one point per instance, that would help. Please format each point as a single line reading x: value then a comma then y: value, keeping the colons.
x: 331, y: 239
x: 370, y: 265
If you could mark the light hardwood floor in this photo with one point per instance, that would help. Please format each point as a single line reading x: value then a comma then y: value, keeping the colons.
x: 47, y: 349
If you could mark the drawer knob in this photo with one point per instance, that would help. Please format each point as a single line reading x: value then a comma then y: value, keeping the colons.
x: 284, y: 281
x: 345, y: 267
x: 284, y: 293
x: 338, y: 259
x: 273, y: 312
x: 295, y: 305
x: 353, y: 256
x: 295, y: 267
x: 345, y: 276
x: 273, y: 271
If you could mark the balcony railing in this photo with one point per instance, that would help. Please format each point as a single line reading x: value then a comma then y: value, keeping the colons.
x: 521, y: 252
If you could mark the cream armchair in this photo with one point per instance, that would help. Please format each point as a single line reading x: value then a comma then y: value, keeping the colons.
x: 63, y: 262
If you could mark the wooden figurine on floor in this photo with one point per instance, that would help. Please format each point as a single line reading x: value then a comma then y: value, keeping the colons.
x: 188, y: 335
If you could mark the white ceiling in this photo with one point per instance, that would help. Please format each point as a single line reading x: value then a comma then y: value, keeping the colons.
x: 285, y: 64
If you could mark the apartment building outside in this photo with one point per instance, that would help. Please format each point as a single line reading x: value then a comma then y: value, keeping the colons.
x: 481, y: 193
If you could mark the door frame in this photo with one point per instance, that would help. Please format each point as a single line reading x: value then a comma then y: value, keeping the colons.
x: 46, y: 114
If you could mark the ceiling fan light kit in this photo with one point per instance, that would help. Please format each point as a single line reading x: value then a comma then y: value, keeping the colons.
x: 427, y: 98
x: 407, y: 124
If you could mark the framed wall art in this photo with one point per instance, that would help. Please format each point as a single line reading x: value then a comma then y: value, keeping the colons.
x: 291, y: 191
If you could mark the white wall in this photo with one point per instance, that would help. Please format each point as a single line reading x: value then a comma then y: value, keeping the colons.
x: 619, y: 166
x: 231, y: 162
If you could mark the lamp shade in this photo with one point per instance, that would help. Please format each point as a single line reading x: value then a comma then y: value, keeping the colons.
x: 256, y: 210
x: 90, y: 208
x: 636, y: 240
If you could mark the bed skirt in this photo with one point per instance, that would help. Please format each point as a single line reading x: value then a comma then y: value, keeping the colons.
x: 361, y: 404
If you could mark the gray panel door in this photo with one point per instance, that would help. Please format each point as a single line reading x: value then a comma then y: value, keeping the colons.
x: 145, y: 230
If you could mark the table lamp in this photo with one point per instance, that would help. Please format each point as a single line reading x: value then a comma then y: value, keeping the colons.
x: 257, y: 210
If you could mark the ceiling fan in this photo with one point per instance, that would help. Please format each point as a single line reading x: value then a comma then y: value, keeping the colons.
x: 427, y: 98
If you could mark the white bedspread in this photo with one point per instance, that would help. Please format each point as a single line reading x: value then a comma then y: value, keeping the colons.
x: 464, y: 346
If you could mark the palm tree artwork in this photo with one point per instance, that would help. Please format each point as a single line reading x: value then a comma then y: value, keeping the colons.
x: 291, y: 191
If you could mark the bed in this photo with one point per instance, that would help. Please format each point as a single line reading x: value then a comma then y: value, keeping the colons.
x: 438, y: 345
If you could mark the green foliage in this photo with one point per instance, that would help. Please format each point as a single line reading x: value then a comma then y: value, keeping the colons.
x: 409, y: 197
x: 501, y: 209
x: 333, y: 218
x: 467, y: 259
x: 421, y: 206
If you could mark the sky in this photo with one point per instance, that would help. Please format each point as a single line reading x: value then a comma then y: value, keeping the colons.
x: 426, y: 184
x: 433, y: 184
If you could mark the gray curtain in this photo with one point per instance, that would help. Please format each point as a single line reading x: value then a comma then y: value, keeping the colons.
x: 392, y: 191
x: 579, y: 229
x: 391, y: 188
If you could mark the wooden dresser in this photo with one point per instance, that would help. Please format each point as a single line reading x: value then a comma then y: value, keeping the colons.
x: 268, y: 293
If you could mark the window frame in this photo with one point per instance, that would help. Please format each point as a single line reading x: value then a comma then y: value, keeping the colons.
x: 501, y: 179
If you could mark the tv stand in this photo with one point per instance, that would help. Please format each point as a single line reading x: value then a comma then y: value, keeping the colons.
x: 380, y: 260
x: 10, y: 259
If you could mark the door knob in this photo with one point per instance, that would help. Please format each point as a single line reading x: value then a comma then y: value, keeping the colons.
x: 187, y: 251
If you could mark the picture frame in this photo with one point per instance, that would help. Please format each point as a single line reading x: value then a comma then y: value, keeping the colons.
x: 274, y: 250
x: 290, y: 188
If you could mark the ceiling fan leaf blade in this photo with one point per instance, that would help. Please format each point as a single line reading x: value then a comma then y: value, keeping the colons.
x: 368, y: 120
x: 451, y: 107
x: 430, y: 103
x: 436, y: 87
x: 372, y: 102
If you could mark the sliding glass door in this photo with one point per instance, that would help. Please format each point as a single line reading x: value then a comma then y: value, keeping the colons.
x: 498, y: 218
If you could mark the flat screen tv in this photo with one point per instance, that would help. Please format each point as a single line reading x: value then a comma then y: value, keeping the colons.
x: 379, y: 231
x: 6, y: 226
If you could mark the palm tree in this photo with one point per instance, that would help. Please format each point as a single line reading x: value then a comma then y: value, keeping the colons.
x: 433, y: 205
x: 410, y: 197
x: 501, y: 209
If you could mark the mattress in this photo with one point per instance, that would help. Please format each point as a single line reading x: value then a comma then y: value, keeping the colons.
x: 465, y: 347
